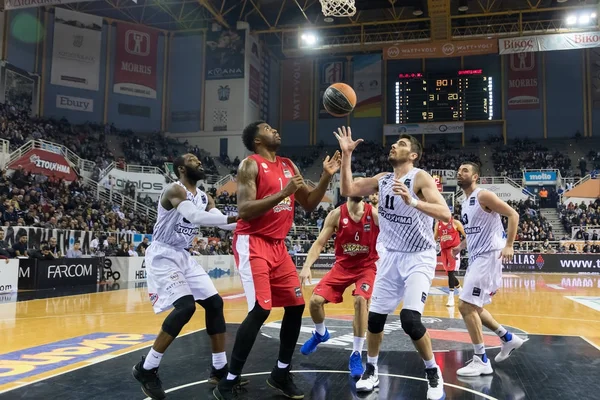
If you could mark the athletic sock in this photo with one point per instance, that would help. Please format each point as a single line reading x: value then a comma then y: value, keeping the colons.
x: 480, y: 351
x: 430, y: 363
x: 231, y: 377
x: 503, y: 334
x: 372, y: 360
x: 281, y: 365
x: 219, y: 360
x: 320, y: 328
x: 152, y: 360
x: 359, y: 342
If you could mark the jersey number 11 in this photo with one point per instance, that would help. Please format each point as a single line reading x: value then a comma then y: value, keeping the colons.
x: 389, y: 202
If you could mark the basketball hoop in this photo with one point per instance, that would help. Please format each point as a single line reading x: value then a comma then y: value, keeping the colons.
x: 338, y: 8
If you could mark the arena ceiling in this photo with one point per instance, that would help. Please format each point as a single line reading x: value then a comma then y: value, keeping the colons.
x: 376, y: 23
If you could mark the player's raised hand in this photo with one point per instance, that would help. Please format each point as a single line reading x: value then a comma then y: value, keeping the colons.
x: 344, y: 137
x: 305, y: 275
x: 331, y: 165
x: 401, y: 190
x: 507, y: 254
x: 293, y: 185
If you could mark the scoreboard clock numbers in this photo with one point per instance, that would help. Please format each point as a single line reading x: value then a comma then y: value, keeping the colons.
x: 465, y: 95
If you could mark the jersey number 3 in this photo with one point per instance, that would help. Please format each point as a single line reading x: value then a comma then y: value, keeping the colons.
x: 389, y: 202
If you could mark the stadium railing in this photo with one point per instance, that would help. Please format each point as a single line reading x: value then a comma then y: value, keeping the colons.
x: 80, y: 163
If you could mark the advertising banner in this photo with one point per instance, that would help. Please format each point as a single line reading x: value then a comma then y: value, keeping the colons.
x: 565, y: 263
x: 560, y: 41
x: 74, y: 103
x: 424, y: 128
x: 15, y: 4
x: 9, y: 276
x: 225, y: 101
x: 505, y: 191
x: 37, y: 161
x: 330, y: 72
x: 135, y: 61
x: 297, y: 79
x: 76, y: 49
x: 67, y: 272
x: 523, y: 92
x: 441, y: 49
x: 27, y: 273
x: 144, y: 183
x: 367, y: 84
x: 137, y: 269
x: 325, y: 261
x: 64, y: 238
x: 225, y: 54
x: 539, y: 177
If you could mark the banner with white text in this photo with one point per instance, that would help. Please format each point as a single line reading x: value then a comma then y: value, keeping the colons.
x: 523, y: 91
x: 560, y: 41
x: 424, y: 128
x: 76, y: 49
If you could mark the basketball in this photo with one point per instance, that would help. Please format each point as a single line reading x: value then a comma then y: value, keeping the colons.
x: 339, y: 99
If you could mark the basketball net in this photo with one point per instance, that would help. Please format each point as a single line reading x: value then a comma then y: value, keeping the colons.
x: 338, y: 8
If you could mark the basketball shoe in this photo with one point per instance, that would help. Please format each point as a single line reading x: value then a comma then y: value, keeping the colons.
x: 151, y: 384
x: 508, y: 346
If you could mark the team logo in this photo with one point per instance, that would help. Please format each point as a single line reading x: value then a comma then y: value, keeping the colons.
x: 539, y: 262
x: 153, y: 297
x: 345, y: 221
x: 423, y: 297
x: 264, y: 165
x: 365, y: 287
x: 174, y: 276
x: 472, y: 201
x: 224, y: 92
x: 287, y: 173
x: 77, y: 40
x: 204, y: 199
x: 137, y: 43
x: 298, y: 292
x: 284, y: 205
x: 367, y: 228
x: 476, y: 291
x: 353, y: 249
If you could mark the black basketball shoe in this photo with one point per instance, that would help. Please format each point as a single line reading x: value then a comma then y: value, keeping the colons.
x: 217, y: 374
x: 151, y: 384
x: 229, y: 390
x: 283, y: 380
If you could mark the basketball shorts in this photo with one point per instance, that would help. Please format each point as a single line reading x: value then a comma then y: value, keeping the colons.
x: 267, y: 271
x: 483, y: 279
x: 332, y: 286
x: 171, y: 274
x: 450, y: 262
x: 403, y: 277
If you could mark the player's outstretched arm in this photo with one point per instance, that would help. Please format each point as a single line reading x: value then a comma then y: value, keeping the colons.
x: 175, y: 197
x: 434, y: 205
x: 248, y: 206
x: 212, y: 208
x: 310, y: 199
x: 330, y: 226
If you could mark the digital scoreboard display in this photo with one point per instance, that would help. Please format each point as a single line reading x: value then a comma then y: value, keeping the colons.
x: 465, y: 95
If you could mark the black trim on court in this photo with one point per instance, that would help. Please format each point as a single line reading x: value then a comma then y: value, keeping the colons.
x: 546, y: 367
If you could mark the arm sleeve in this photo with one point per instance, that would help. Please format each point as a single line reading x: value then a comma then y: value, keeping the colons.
x: 201, y: 218
x: 228, y: 227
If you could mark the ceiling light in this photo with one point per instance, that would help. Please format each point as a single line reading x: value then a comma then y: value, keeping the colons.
x: 584, y: 19
x: 309, y: 38
x: 417, y: 12
x: 593, y: 15
x: 571, y: 20
x: 463, y: 5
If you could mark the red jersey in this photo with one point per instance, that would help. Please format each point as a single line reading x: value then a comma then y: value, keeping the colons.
x: 449, y: 237
x: 355, y: 241
x: 271, y: 179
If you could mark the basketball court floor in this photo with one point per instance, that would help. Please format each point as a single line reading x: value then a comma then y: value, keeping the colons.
x: 82, y: 344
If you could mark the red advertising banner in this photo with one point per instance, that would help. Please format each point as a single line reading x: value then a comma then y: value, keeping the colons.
x: 37, y: 161
x: 297, y: 81
x: 135, y: 61
x: 523, y: 91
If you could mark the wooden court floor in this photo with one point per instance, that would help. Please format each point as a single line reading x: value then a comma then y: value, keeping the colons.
x: 45, y: 337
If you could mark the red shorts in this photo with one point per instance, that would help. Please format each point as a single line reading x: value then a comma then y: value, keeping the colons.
x: 448, y: 260
x: 267, y: 272
x: 335, y: 282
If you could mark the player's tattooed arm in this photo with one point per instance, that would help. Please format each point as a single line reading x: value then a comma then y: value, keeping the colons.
x: 330, y: 226
x: 310, y: 199
x: 249, y: 207
x: 176, y: 197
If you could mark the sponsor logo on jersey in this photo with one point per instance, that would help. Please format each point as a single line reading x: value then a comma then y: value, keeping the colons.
x: 365, y: 287
x: 473, y: 230
x: 399, y: 219
x: 345, y: 221
x: 298, y: 292
x: 367, y: 228
x: 472, y: 201
x: 186, y: 230
x: 287, y: 173
x: 284, y: 205
x: 353, y: 249
x: 264, y: 165
x: 476, y: 291
x: 153, y: 297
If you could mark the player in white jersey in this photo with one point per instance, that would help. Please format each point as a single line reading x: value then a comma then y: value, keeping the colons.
x: 175, y: 279
x: 408, y: 202
x: 488, y: 246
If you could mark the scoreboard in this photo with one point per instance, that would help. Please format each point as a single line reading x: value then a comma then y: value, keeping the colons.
x: 465, y: 95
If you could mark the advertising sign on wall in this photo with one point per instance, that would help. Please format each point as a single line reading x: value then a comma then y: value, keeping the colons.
x: 330, y: 72
x: 135, y: 61
x: 76, y: 49
x: 9, y: 276
x: 296, y: 81
x: 441, y: 49
x: 74, y: 103
x: 424, y: 128
x: 225, y: 100
x: 505, y: 191
x: 37, y: 161
x: 144, y: 183
x: 561, y: 41
x: 540, y: 177
x: 523, y: 92
x: 565, y: 263
x: 67, y: 272
x: 225, y: 54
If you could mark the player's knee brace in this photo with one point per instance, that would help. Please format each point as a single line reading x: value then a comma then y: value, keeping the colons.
x: 376, y: 322
x: 412, y: 325
x: 215, y: 321
x: 181, y: 315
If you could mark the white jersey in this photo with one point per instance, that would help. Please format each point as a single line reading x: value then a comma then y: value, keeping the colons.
x: 484, y: 229
x: 174, y: 230
x: 402, y: 227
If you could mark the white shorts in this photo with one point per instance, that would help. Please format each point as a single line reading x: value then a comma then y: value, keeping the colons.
x: 483, y: 279
x: 403, y: 276
x: 173, y: 273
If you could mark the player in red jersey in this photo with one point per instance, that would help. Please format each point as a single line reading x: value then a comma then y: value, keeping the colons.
x: 356, y: 226
x: 267, y: 186
x: 448, y: 235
